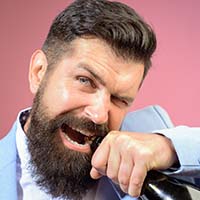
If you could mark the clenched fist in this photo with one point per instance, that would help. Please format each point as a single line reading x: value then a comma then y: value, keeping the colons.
x: 126, y: 157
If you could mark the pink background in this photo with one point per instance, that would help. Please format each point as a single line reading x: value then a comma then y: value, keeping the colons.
x: 173, y: 82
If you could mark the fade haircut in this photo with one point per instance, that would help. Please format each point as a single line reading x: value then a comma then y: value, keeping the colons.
x: 129, y: 36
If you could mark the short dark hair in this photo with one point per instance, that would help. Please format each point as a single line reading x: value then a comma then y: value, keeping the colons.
x: 113, y: 22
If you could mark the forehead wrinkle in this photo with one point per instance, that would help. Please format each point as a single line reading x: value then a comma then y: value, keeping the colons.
x: 107, y: 70
x: 98, y: 77
x: 100, y: 47
x: 92, y: 72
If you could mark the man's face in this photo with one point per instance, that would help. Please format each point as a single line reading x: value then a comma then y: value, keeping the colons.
x: 87, y: 94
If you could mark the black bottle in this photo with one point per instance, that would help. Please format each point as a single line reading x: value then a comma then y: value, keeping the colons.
x: 158, y: 186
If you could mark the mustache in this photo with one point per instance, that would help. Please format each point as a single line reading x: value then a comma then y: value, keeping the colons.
x: 83, y: 124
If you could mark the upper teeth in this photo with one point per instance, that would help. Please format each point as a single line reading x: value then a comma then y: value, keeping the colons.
x: 81, y: 131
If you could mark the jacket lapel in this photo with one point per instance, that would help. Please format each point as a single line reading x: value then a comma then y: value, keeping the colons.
x: 8, y: 155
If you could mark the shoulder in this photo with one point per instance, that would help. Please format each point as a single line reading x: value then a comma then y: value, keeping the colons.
x: 148, y: 119
x: 8, y: 147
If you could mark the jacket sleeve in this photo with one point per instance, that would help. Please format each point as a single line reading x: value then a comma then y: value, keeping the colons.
x: 186, y: 140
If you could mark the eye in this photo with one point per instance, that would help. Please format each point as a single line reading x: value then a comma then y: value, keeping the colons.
x: 119, y: 102
x: 86, y: 81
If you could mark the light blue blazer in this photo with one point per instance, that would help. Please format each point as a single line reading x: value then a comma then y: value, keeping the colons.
x: 145, y: 120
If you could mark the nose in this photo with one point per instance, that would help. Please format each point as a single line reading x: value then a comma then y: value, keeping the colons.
x: 98, y: 108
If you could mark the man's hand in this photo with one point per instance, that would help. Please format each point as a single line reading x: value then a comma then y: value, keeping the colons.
x: 126, y: 157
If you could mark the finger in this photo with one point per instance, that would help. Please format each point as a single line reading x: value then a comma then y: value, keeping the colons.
x: 95, y: 174
x: 125, y: 172
x: 137, y: 179
x: 100, y: 158
x: 113, y: 164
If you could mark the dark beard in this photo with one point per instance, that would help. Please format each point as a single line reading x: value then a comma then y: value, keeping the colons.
x: 59, y: 171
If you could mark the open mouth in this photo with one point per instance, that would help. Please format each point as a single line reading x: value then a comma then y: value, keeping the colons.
x: 76, y: 136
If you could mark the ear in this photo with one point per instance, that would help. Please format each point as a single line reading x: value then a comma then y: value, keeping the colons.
x: 37, y: 69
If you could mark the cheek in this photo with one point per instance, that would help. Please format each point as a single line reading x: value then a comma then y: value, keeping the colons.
x: 61, y: 99
x: 116, y: 118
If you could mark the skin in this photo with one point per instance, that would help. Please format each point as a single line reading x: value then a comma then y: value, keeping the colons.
x: 92, y: 82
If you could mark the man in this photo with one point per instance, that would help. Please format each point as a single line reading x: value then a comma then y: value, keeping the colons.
x: 85, y: 78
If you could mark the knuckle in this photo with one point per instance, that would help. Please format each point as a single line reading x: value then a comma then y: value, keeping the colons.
x: 124, y: 180
x: 124, y: 187
x: 145, y: 154
x: 110, y: 137
x: 95, y: 162
x: 137, y: 180
x: 113, y: 134
x: 124, y: 175
x: 137, y: 183
x: 111, y: 175
x: 121, y: 138
x: 98, y: 165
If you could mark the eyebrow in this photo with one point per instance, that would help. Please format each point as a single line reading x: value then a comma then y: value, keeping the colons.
x: 96, y: 76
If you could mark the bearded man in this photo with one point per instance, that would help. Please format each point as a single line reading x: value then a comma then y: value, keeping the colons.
x: 85, y: 78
